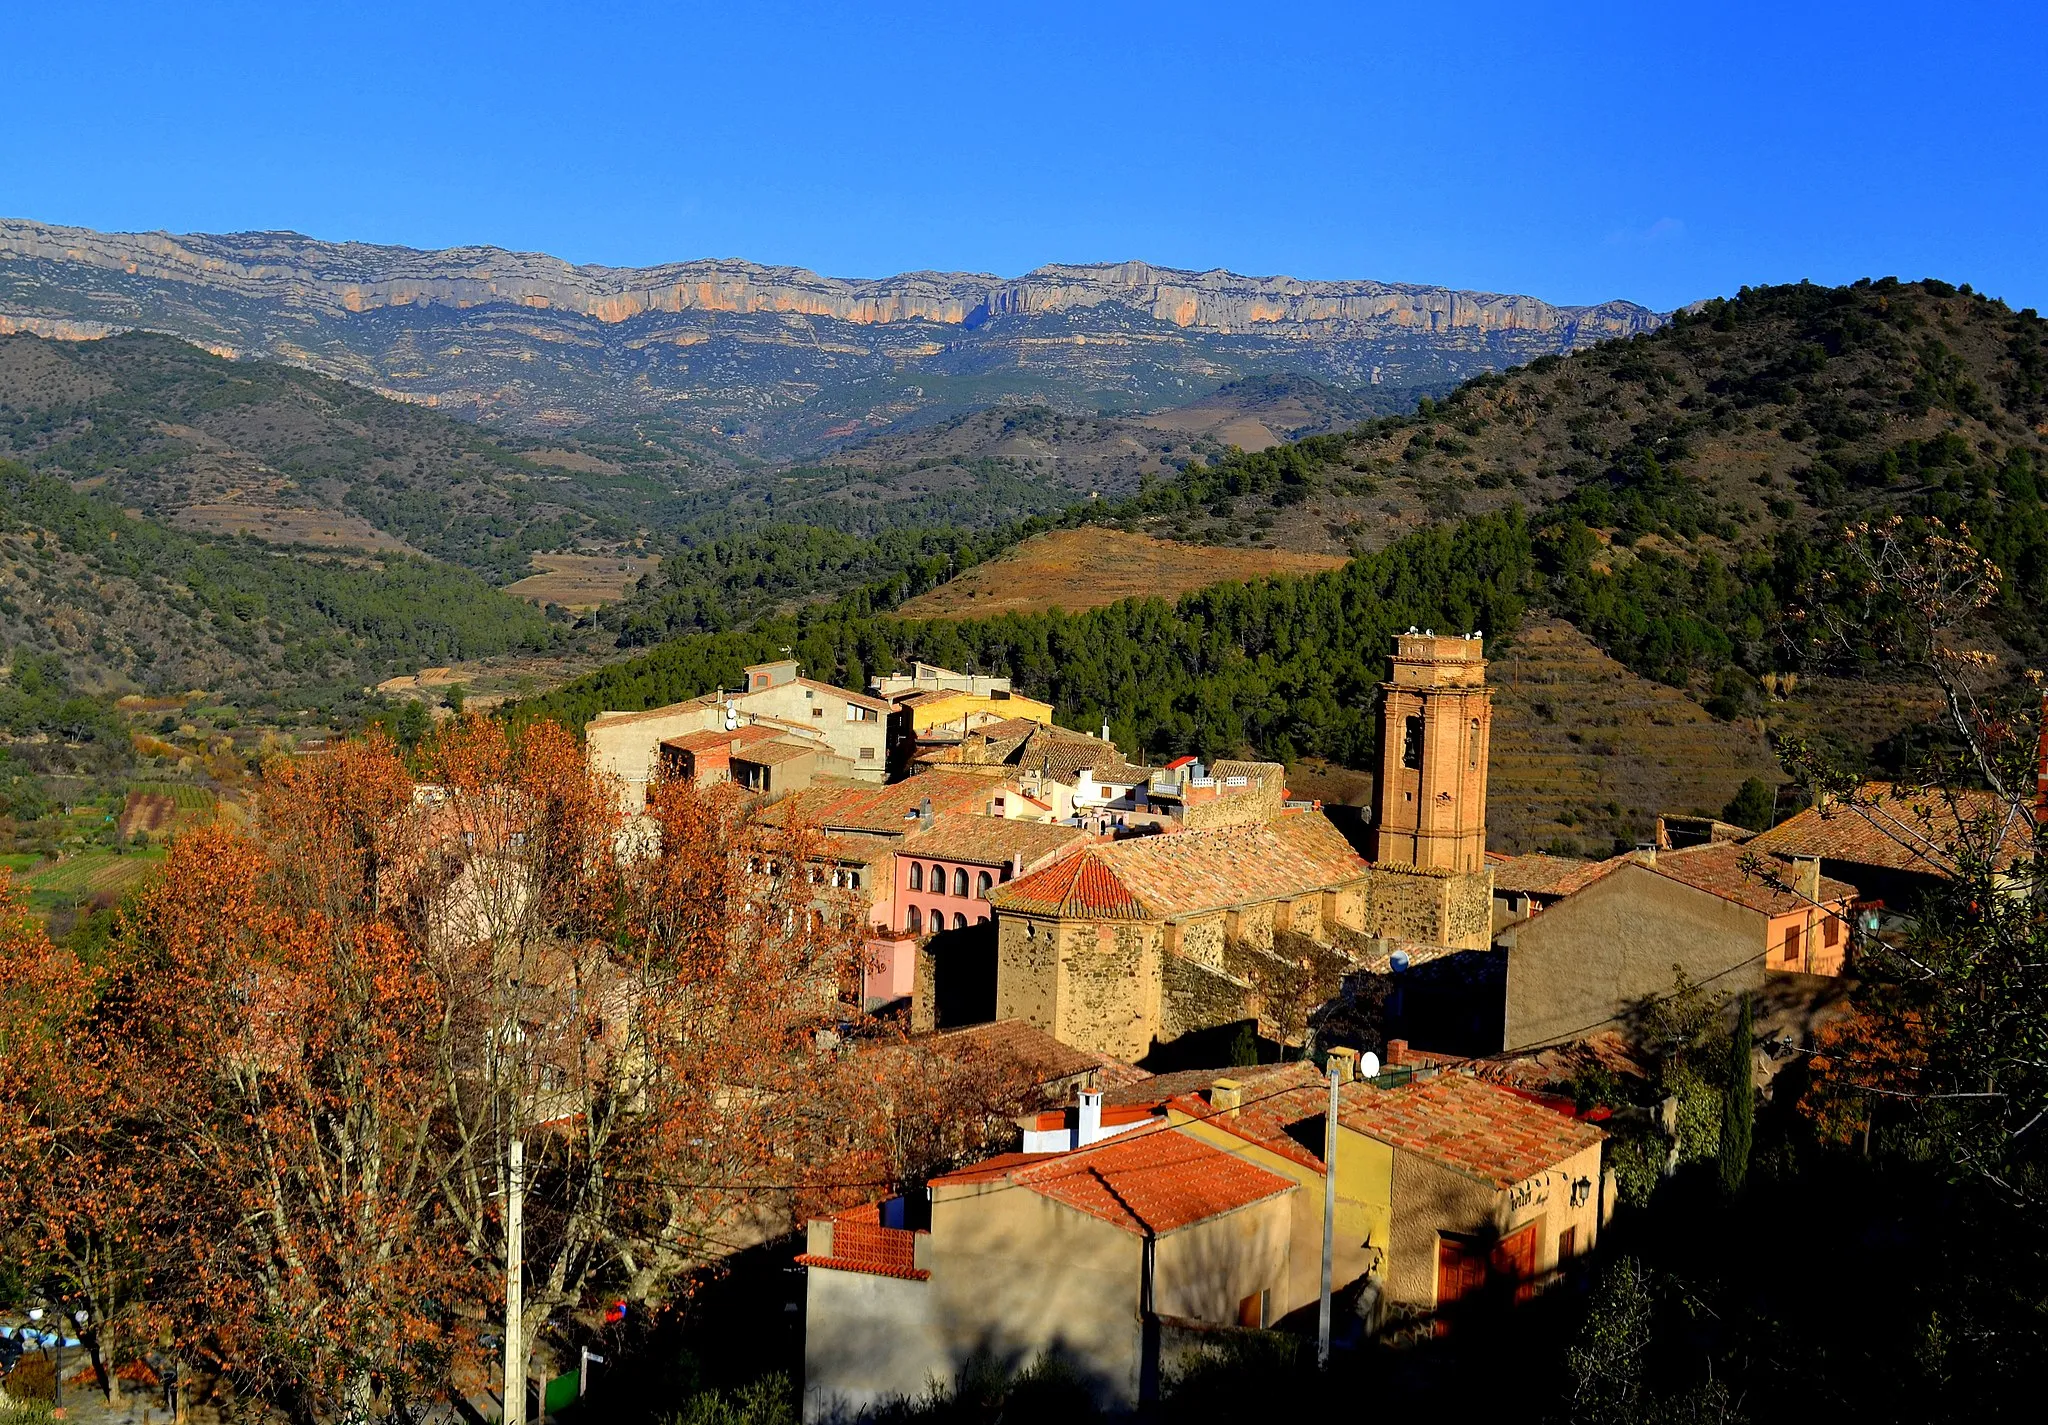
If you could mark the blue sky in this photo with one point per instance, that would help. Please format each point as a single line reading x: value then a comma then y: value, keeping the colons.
x: 1654, y: 151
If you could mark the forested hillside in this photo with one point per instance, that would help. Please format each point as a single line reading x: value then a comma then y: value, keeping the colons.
x: 1678, y: 496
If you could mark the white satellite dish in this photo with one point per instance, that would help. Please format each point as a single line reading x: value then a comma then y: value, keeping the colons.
x: 1369, y: 1065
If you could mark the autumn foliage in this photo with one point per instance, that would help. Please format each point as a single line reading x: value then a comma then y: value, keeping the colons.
x: 268, y: 1130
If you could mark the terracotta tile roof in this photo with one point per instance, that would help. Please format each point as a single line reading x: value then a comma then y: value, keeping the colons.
x: 1041, y: 1055
x: 860, y: 1243
x: 1158, y: 1088
x: 1080, y: 887
x: 718, y: 740
x: 991, y: 840
x: 889, y: 809
x: 1150, y: 1180
x: 1464, y: 1123
x: 1188, y: 872
x: 769, y: 754
x: 1120, y: 1117
x: 1897, y: 829
x: 1270, y: 1108
x: 1227, y: 768
x: 994, y: 1169
x: 1732, y: 871
x: 1541, y: 875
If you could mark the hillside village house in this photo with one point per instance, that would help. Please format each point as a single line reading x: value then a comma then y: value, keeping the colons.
x: 1710, y: 910
x: 853, y: 728
x: 1893, y: 843
x: 1136, y: 1232
x: 1446, y: 1187
x: 1103, y: 1256
x: 947, y: 870
x: 863, y: 828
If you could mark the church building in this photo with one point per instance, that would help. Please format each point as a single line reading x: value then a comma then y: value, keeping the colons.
x: 1129, y: 945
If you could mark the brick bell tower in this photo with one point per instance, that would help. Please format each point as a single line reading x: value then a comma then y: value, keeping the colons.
x: 1436, y: 719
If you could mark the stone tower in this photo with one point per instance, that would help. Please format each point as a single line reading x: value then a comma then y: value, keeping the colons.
x: 1436, y: 718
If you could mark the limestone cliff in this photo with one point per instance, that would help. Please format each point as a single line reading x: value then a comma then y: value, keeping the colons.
x: 776, y: 360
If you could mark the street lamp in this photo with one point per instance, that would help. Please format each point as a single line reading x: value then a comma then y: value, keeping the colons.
x: 35, y: 1313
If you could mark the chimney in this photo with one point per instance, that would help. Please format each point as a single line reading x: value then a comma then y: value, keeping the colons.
x: 1646, y: 852
x: 1397, y: 1052
x: 1105, y: 729
x: 1016, y: 864
x: 1809, y: 879
x: 924, y: 814
x: 1225, y: 1095
x: 1663, y: 837
x: 1345, y: 1061
x: 1088, y: 1122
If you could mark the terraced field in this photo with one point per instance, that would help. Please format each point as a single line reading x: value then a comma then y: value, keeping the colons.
x: 91, y: 875
x: 1586, y: 753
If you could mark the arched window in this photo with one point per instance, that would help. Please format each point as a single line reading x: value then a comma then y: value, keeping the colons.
x: 959, y: 921
x: 1472, y: 754
x: 981, y: 920
x: 937, y: 880
x: 960, y: 882
x: 938, y: 920
x: 982, y: 883
x: 916, y: 875
x: 913, y: 920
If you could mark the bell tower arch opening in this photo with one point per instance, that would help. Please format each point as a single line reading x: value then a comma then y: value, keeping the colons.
x: 1436, y: 717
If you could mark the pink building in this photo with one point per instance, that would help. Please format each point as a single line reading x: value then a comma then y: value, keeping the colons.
x: 944, y: 873
x: 942, y: 878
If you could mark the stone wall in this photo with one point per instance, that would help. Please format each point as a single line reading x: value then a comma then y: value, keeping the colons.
x: 1436, y: 907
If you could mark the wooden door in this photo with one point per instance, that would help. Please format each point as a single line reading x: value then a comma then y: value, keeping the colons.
x: 1460, y: 1276
x: 1513, y: 1262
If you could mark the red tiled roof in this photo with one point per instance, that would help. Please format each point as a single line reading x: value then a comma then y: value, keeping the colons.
x: 1188, y: 872
x: 718, y: 740
x: 991, y: 840
x: 1480, y: 1130
x: 1152, y: 1181
x: 769, y: 754
x: 1738, y: 873
x: 890, y: 808
x: 1082, y: 886
x: 1054, y: 1118
x: 860, y: 1243
x: 992, y: 1169
x: 1541, y: 875
x: 1268, y: 1111
x: 1898, y: 829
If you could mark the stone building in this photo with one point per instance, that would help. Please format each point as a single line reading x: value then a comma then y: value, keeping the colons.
x: 1132, y: 945
x: 1125, y: 946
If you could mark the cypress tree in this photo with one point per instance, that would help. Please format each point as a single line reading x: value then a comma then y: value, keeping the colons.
x: 1738, y: 1106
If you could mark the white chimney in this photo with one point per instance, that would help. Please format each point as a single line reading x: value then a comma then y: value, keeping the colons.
x: 1088, y: 1124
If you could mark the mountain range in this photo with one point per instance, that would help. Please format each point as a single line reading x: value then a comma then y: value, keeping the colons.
x: 755, y: 362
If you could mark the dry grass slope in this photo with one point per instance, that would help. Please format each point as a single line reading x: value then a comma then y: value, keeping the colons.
x: 1086, y: 568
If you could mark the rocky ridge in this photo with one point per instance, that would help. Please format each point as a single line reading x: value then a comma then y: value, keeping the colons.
x: 741, y: 360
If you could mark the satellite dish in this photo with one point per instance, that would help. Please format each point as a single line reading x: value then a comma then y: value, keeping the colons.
x: 1369, y: 1065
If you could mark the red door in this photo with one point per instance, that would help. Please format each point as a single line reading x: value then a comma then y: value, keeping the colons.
x: 1514, y: 1264
x: 1460, y: 1276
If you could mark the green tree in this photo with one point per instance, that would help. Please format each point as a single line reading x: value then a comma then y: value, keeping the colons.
x: 1738, y: 1105
x: 1753, y: 806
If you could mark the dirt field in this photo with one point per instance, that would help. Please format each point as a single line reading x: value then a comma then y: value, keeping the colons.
x: 580, y: 581
x: 1086, y: 568
x: 325, y: 529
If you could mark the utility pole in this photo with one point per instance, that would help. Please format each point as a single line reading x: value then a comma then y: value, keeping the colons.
x: 1329, y: 1221
x: 515, y: 1296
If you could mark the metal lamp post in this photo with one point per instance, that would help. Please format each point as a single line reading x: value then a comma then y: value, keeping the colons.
x: 35, y: 1313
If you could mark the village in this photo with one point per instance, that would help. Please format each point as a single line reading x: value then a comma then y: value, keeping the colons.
x: 1284, y: 1081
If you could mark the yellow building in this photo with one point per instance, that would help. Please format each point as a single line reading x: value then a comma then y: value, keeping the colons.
x: 941, y: 712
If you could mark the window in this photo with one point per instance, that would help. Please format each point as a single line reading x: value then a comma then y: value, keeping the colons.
x: 982, y: 883
x: 1251, y: 1312
x: 1411, y: 743
x: 760, y: 681
x: 1793, y: 935
x: 1567, y: 1245
x: 960, y: 882
x: 938, y: 880
x: 817, y: 712
x: 938, y: 920
x: 959, y: 921
x: 1833, y: 934
x: 867, y: 754
x: 916, y: 876
x: 1472, y: 751
x: 913, y: 920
